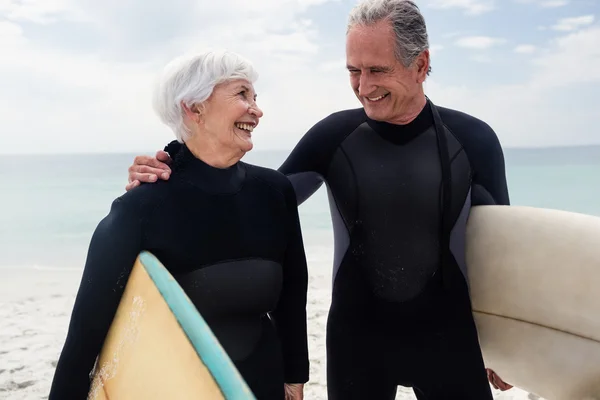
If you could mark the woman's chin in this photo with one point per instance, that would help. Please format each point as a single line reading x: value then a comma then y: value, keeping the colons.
x: 246, y: 144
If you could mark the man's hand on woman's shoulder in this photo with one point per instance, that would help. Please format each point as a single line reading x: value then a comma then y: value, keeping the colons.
x: 149, y: 169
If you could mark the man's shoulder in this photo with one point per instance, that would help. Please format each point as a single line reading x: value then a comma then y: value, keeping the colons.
x: 330, y: 132
x: 460, y: 122
x: 343, y: 120
x: 316, y: 147
x: 472, y: 132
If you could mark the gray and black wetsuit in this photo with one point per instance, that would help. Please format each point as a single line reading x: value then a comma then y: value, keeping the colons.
x: 400, y: 197
x: 231, y: 238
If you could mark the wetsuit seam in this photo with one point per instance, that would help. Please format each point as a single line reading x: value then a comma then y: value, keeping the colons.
x: 355, y: 180
x: 320, y: 175
x: 232, y: 260
x: 463, y: 149
x: 456, y: 155
x: 339, y: 145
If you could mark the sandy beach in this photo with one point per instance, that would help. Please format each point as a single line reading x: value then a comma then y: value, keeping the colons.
x: 35, y: 305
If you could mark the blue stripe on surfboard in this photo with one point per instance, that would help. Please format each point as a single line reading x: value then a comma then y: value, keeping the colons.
x: 209, y: 349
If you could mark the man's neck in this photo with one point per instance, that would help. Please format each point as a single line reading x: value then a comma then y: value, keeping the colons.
x: 412, y: 111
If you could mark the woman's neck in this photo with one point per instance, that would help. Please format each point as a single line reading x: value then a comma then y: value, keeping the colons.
x: 214, y: 154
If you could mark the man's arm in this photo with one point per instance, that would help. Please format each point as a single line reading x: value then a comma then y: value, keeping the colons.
x: 305, y: 167
x: 113, y: 249
x: 297, y: 167
x: 489, y: 180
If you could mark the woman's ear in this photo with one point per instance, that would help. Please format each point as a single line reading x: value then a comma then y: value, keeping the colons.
x: 193, y: 112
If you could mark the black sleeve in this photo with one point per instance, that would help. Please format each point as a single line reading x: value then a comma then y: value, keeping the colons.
x: 114, y: 246
x: 485, y: 154
x: 306, y: 166
x: 489, y: 180
x: 290, y: 315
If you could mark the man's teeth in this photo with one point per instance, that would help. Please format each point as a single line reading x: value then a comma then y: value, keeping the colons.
x: 376, y: 98
x: 246, y: 127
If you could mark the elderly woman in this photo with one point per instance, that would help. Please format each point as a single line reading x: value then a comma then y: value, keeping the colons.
x: 228, y: 231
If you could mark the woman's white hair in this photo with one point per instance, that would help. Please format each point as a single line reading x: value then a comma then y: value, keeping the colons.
x: 191, y: 79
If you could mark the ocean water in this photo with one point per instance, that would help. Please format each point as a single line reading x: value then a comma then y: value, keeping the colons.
x: 51, y: 204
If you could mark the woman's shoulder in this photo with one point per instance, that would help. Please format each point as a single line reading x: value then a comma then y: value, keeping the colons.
x: 142, y: 199
x: 270, y: 178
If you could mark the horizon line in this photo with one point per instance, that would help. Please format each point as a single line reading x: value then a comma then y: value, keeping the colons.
x: 540, y: 147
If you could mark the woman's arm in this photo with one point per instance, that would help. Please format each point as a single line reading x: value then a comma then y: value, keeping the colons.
x: 290, y: 315
x: 115, y: 244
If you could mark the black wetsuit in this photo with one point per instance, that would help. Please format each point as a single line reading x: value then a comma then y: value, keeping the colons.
x: 231, y: 237
x: 400, y: 197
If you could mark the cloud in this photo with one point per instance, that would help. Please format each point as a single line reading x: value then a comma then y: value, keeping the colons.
x: 96, y: 97
x: 573, y: 23
x: 525, y: 49
x: 539, y: 110
x: 479, y: 42
x: 435, y: 48
x: 556, y: 68
x: 470, y: 7
x: 553, y: 3
x: 37, y: 11
x: 546, y: 3
x: 76, y: 75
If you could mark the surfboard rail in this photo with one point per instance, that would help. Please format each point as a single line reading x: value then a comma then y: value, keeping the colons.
x: 159, y: 346
x: 197, y: 330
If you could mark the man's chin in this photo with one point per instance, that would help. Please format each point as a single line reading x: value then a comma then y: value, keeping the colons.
x: 374, y: 112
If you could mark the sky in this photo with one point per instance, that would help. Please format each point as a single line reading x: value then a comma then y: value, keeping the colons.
x: 77, y: 75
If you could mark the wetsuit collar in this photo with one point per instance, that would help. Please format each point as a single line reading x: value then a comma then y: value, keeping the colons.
x: 192, y: 170
x: 402, y: 134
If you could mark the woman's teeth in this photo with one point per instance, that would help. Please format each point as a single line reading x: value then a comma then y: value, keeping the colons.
x: 246, y: 127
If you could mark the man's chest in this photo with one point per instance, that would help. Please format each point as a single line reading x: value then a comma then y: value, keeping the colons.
x: 370, y: 174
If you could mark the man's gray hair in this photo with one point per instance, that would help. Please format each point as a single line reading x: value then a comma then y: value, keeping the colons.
x: 191, y: 79
x: 407, y: 21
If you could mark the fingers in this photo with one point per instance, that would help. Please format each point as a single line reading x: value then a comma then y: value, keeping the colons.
x: 153, y: 162
x: 144, y: 171
x: 490, y: 376
x: 148, y: 169
x: 132, y: 185
x: 163, y: 156
x: 148, y: 177
x: 496, y: 381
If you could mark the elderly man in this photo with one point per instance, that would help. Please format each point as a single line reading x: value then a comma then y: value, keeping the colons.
x: 402, y: 175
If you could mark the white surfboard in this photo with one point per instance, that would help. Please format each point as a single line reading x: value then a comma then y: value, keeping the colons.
x: 535, y: 285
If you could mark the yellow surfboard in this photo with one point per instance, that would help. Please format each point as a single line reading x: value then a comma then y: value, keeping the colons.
x: 160, y: 347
